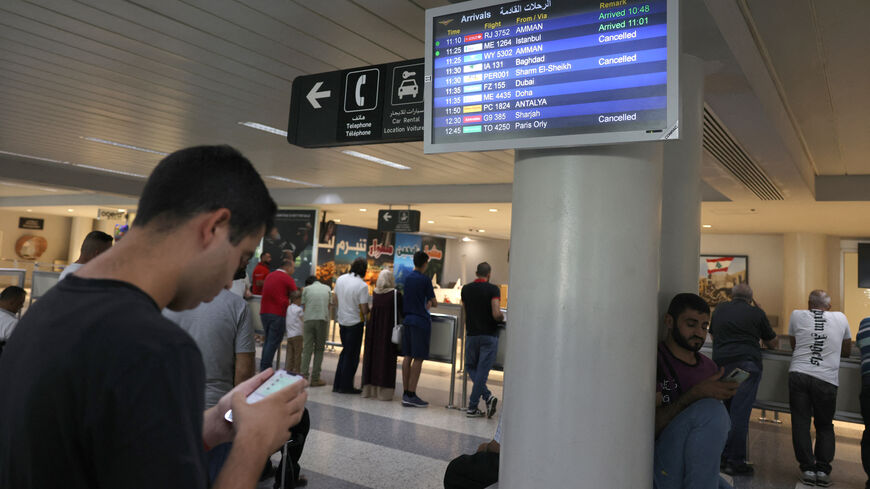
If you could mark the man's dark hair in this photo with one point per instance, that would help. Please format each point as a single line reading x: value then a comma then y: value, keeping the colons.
x: 310, y: 280
x: 483, y: 269
x: 420, y: 259
x: 96, y: 242
x: 11, y: 293
x: 204, y: 179
x: 687, y: 300
x: 359, y: 267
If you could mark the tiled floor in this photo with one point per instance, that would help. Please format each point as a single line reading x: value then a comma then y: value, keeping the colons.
x: 358, y: 443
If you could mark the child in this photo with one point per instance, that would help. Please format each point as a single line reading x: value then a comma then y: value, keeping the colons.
x: 294, y: 332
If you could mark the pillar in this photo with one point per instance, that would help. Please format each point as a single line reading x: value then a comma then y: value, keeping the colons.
x: 805, y: 268
x: 580, y: 382
x: 681, y: 192
x: 79, y: 228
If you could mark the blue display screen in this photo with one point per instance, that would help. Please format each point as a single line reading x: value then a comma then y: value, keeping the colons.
x: 549, y: 68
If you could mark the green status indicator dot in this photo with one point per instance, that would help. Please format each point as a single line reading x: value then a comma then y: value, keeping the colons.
x: 437, y: 53
x: 437, y: 43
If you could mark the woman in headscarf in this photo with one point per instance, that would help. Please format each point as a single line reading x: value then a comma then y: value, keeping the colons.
x: 379, y: 359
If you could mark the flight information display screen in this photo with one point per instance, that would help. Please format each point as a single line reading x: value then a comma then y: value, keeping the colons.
x: 550, y: 73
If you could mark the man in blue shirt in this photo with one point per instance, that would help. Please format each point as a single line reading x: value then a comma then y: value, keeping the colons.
x: 418, y: 298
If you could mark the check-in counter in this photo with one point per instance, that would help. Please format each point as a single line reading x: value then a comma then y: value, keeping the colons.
x: 773, y: 389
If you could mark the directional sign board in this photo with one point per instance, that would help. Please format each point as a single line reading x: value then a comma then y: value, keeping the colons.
x: 402, y: 220
x: 372, y: 104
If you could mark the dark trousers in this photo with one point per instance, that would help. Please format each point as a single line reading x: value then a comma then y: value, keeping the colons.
x: 865, y: 440
x: 475, y: 471
x: 273, y: 328
x: 298, y: 434
x: 812, y: 398
x: 740, y: 409
x: 348, y: 359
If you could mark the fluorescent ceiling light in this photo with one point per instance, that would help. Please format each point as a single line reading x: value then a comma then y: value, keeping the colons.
x: 431, y: 222
x: 706, y: 226
x: 29, y: 210
x: 481, y: 230
x: 10, y: 184
x: 34, y: 157
x: 493, y: 210
x: 375, y: 159
x: 290, y: 180
x: 467, y: 239
x: 108, y: 170
x: 70, y: 210
x: 263, y: 127
x: 363, y: 210
x: 125, y: 146
x: 337, y: 220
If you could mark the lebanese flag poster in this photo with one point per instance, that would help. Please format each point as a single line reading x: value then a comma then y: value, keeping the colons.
x: 720, y: 264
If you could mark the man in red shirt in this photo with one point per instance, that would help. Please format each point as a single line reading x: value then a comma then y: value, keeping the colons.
x: 273, y: 308
x: 260, y: 273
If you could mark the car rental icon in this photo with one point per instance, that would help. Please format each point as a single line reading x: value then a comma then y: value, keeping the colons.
x: 408, y: 87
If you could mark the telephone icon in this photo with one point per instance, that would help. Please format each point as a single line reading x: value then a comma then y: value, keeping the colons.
x: 361, y: 90
x: 360, y: 100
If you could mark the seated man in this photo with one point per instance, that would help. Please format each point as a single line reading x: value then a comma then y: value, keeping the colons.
x: 691, y: 423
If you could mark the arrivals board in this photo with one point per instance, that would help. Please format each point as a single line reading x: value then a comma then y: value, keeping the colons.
x: 550, y: 73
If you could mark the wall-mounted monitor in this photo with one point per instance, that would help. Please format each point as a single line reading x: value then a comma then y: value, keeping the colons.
x: 550, y: 73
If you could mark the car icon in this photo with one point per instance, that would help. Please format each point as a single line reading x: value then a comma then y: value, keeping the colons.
x: 408, y: 87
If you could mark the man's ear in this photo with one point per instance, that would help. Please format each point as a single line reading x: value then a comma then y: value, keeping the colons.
x: 669, y: 321
x: 215, y: 225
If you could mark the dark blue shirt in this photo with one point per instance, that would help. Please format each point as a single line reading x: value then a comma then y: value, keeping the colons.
x: 418, y: 291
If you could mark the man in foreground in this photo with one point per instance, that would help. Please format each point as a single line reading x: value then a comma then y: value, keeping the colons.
x: 818, y: 338
x: 418, y: 297
x: 116, y: 398
x: 737, y: 327
x: 95, y: 243
x: 691, y: 422
x: 482, y: 304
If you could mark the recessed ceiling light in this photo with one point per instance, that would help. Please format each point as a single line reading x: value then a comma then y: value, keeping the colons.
x: 123, y: 145
x: 706, y: 226
x: 431, y: 222
x: 337, y: 220
x: 493, y: 210
x: 29, y: 210
x: 363, y: 210
x: 290, y: 180
x: 467, y: 239
x: 70, y: 210
x: 122, y: 210
x: 481, y: 230
x: 263, y: 127
x: 375, y: 159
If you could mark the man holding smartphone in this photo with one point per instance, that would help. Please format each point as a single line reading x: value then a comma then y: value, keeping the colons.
x: 116, y: 398
x: 691, y: 422
x: 737, y: 327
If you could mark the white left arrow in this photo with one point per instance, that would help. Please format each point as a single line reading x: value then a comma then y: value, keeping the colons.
x: 387, y: 216
x: 313, y: 95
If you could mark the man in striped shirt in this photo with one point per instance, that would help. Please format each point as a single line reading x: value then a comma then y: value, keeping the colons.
x: 863, y: 339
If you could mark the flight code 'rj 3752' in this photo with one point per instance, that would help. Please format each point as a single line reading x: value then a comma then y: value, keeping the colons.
x: 549, y: 68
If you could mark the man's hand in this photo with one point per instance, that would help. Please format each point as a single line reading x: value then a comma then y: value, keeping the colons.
x: 217, y: 430
x: 269, y: 420
x: 714, y: 387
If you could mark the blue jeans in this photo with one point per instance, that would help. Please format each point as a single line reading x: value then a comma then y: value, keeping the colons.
x: 273, y: 327
x: 480, y: 353
x: 740, y: 409
x: 688, y: 450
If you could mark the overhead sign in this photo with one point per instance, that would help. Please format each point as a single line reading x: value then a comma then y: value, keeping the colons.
x: 111, y: 214
x: 372, y: 104
x: 30, y: 223
x: 550, y: 73
x: 402, y: 220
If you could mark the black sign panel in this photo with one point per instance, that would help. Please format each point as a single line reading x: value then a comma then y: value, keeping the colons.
x: 402, y: 220
x: 372, y: 104
x: 30, y: 223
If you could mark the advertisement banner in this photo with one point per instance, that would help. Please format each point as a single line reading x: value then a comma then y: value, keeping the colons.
x: 403, y: 264
x: 351, y: 243
x: 434, y: 247
x: 326, y: 252
x: 381, y: 254
x: 292, y: 235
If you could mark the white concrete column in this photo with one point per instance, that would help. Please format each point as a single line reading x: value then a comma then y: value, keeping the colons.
x: 580, y: 382
x: 79, y: 228
x: 681, y: 192
x: 805, y: 268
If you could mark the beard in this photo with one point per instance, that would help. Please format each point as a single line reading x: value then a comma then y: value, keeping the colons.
x: 683, y: 342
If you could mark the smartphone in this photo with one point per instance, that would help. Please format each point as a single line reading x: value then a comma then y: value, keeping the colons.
x: 279, y: 380
x: 737, y: 375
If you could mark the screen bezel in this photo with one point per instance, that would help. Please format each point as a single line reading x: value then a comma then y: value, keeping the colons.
x: 588, y: 139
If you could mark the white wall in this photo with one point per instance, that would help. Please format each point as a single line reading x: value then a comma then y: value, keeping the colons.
x: 56, y: 231
x: 765, y: 253
x: 492, y: 251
